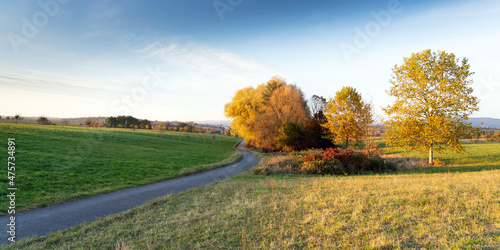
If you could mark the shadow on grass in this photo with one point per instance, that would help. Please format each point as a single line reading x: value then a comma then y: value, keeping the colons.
x: 451, y: 169
x: 428, y: 170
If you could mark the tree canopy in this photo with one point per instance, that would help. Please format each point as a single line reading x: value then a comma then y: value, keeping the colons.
x: 243, y: 108
x: 282, y: 120
x: 127, y: 122
x: 270, y: 116
x: 433, y: 99
x: 18, y: 117
x: 42, y: 120
x: 273, y: 84
x: 347, y: 116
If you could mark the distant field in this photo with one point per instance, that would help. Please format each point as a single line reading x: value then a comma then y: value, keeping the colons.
x: 455, y: 210
x: 35, y: 122
x: 56, y: 164
x: 477, y: 157
x: 12, y: 121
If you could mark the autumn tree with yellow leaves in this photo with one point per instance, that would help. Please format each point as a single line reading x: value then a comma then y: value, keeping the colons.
x: 433, y: 99
x: 273, y: 116
x: 243, y: 108
x: 347, y: 116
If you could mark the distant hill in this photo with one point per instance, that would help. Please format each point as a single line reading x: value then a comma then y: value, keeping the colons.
x: 487, y: 122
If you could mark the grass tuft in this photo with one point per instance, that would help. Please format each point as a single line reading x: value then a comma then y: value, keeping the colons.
x: 406, y: 163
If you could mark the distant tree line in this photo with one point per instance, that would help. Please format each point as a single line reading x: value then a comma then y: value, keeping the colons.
x: 17, y: 117
x: 191, y: 128
x: 127, y: 122
x: 132, y: 122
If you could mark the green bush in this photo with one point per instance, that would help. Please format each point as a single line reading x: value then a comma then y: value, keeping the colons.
x: 336, y: 161
x: 380, y: 165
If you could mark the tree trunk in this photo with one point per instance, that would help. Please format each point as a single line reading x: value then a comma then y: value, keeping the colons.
x: 347, y: 143
x: 431, y: 155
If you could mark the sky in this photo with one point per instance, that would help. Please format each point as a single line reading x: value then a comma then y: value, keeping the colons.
x: 184, y: 60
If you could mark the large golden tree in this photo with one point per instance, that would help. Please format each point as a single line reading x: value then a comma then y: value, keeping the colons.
x: 243, y: 108
x: 433, y: 99
x: 271, y: 116
x: 282, y: 120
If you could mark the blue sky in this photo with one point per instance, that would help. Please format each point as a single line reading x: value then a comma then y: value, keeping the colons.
x: 183, y: 60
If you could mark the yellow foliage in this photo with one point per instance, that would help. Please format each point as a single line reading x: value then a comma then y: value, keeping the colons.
x: 259, y: 113
x: 347, y: 116
x: 243, y: 108
x: 433, y: 99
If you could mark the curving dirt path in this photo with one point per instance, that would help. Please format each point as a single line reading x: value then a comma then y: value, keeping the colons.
x: 51, y: 219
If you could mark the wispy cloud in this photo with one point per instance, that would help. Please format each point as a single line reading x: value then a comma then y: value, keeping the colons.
x: 204, y: 62
x: 42, y: 82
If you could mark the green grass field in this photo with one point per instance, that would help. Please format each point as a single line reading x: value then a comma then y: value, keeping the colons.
x: 56, y: 164
x: 477, y: 157
x: 458, y: 209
